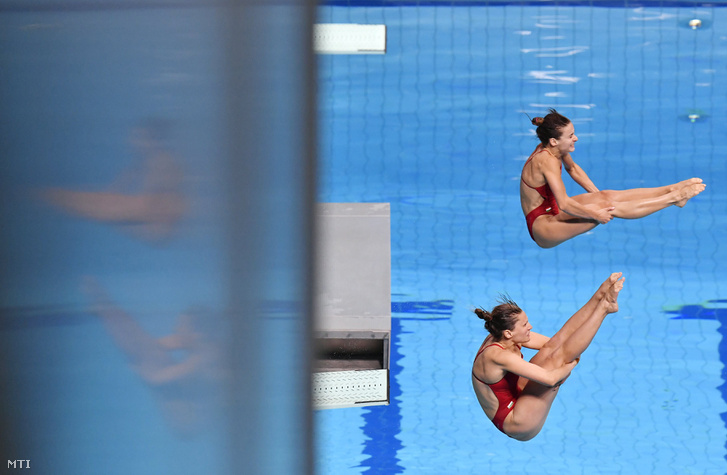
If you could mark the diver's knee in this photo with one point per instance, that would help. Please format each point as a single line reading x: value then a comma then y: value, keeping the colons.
x: 607, y: 197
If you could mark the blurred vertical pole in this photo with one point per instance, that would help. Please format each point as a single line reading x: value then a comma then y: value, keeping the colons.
x: 91, y: 380
x: 269, y: 181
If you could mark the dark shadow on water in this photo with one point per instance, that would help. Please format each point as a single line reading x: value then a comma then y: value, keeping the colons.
x: 717, y: 310
x: 383, y: 423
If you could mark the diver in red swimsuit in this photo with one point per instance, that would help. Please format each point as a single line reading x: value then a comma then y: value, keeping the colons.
x: 516, y: 394
x: 505, y: 390
x: 554, y: 217
x: 549, y: 204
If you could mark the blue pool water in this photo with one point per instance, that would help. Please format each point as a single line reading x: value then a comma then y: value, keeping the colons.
x: 436, y: 127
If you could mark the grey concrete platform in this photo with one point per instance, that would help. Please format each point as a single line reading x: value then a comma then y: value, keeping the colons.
x: 352, y: 304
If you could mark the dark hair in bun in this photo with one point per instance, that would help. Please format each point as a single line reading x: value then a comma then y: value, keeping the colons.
x: 501, y: 318
x: 550, y: 126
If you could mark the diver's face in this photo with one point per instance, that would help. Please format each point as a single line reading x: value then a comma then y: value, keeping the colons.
x: 521, y: 331
x: 567, y: 141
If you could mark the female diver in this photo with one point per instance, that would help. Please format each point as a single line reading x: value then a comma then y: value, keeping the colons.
x: 515, y: 394
x: 543, y: 195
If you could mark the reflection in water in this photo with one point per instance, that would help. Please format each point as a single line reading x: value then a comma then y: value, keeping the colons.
x: 147, y: 199
x: 183, y: 368
x: 383, y: 423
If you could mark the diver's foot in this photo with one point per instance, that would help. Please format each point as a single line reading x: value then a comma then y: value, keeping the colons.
x: 689, y: 191
x: 611, y: 297
x: 607, y: 284
x: 690, y: 181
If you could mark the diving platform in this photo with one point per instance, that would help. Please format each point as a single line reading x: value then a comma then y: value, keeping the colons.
x: 352, y: 316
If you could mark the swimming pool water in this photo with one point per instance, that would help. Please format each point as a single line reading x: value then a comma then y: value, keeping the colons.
x: 437, y: 127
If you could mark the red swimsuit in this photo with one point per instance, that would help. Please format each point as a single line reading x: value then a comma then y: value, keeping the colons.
x: 548, y: 206
x: 505, y: 390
